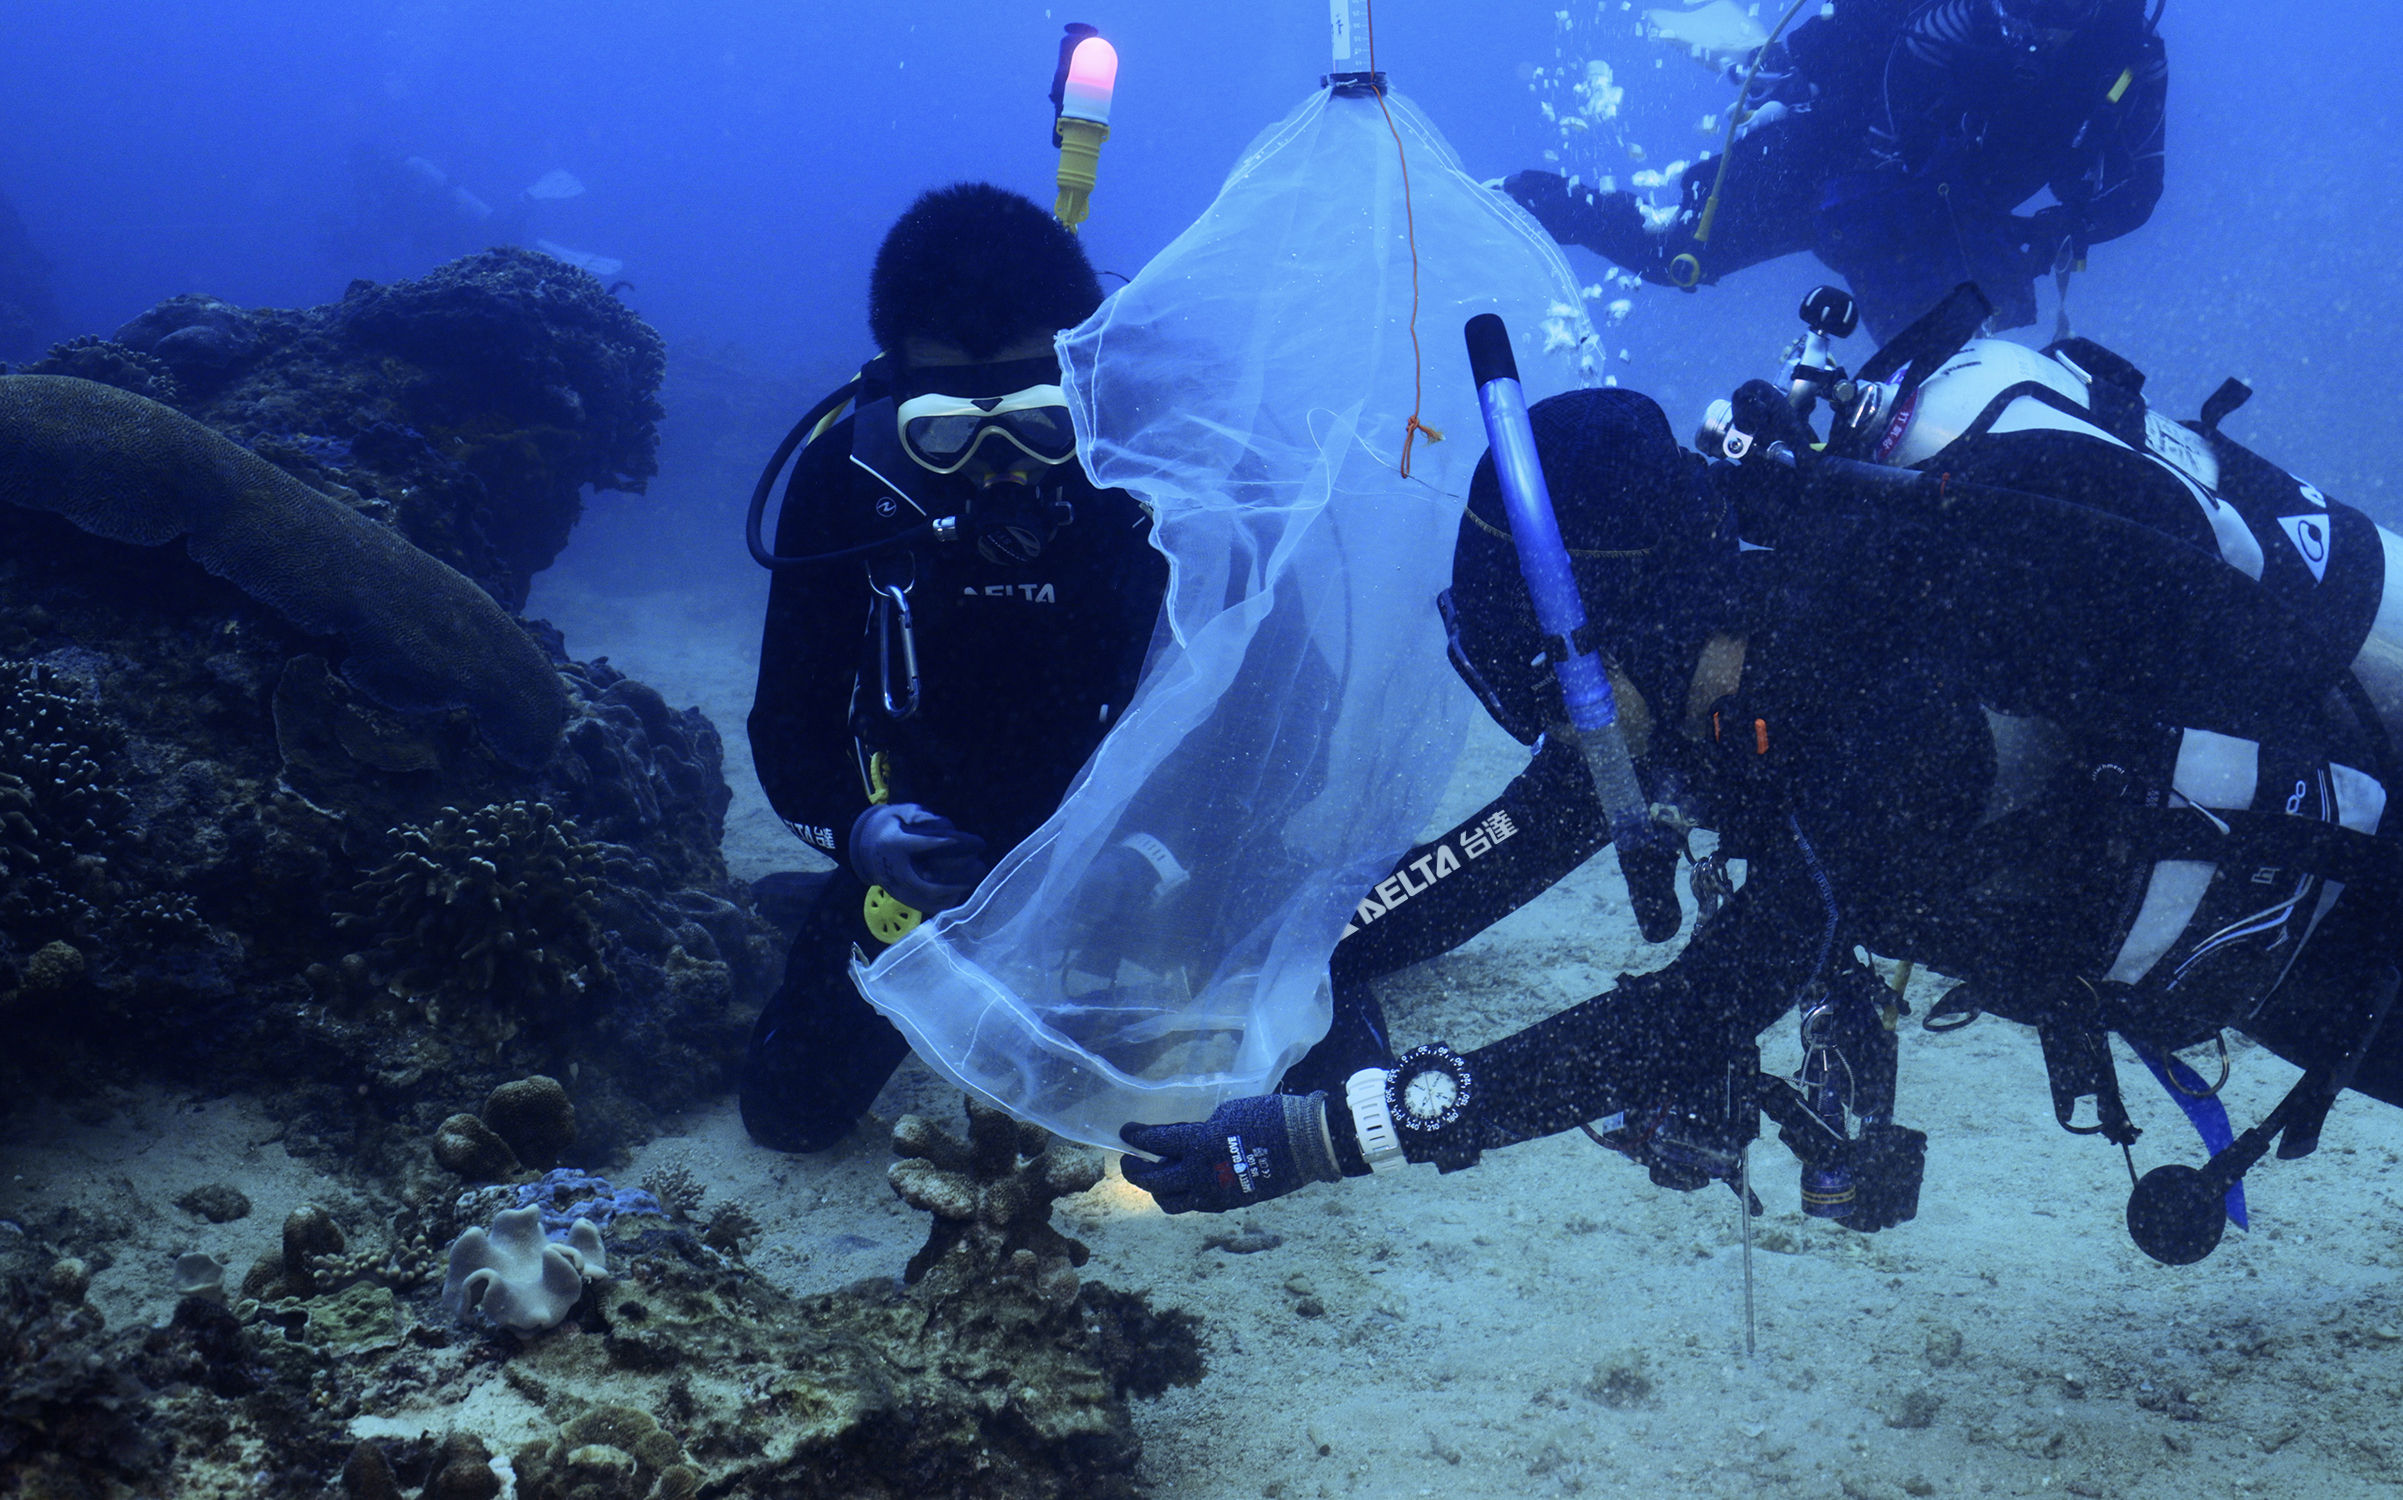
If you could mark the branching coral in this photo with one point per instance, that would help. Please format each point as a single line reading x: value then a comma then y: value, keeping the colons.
x: 92, y: 357
x: 499, y: 906
x: 61, y: 814
x: 52, y: 740
x: 991, y: 1197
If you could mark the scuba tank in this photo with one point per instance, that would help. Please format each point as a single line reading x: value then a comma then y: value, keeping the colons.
x: 2325, y: 561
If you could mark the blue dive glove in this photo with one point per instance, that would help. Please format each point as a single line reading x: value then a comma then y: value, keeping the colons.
x: 1247, y: 1152
x: 917, y: 855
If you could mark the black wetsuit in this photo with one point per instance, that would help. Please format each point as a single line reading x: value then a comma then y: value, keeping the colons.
x: 1902, y: 141
x: 1023, y: 668
x: 1937, y: 756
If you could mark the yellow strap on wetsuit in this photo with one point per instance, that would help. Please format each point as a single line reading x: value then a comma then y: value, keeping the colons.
x: 889, y: 918
x: 2126, y: 77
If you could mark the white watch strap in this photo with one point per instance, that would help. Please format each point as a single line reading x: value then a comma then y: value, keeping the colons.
x: 1372, y: 1120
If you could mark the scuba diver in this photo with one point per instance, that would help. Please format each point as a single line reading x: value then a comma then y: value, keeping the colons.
x: 957, y: 618
x: 1898, y: 142
x: 2009, y: 676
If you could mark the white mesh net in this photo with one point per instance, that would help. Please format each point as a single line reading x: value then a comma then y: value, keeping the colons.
x: 1161, y: 944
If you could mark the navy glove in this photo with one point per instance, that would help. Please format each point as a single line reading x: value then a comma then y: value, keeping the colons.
x: 917, y: 855
x: 2048, y: 234
x: 1247, y: 1152
x: 1548, y: 197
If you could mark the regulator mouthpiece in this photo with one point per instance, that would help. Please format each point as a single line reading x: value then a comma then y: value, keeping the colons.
x: 1081, y: 92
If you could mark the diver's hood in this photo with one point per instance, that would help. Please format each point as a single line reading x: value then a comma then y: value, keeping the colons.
x: 876, y: 447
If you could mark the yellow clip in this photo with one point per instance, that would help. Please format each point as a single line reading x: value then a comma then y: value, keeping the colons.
x: 880, y: 780
x: 2126, y: 77
x: 889, y: 917
x: 1686, y: 272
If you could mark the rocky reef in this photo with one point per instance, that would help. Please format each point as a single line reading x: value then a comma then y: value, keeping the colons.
x: 468, y: 408
x: 289, y: 798
x: 336, y: 1369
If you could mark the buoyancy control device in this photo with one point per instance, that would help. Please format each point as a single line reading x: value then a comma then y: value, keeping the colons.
x: 2308, y: 822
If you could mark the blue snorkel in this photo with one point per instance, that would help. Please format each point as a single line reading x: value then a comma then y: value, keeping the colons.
x: 1647, y: 853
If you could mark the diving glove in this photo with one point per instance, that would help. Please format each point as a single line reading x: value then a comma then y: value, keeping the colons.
x: 1561, y: 209
x: 1247, y: 1152
x: 917, y: 855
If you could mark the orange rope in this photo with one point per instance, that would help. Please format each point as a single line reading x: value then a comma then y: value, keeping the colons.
x: 1412, y: 428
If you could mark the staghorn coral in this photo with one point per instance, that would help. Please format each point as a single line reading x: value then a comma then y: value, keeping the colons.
x: 421, y: 638
x: 731, y: 1229
x: 679, y: 1192
x: 91, y: 357
x: 496, y: 908
x: 54, y: 738
x: 991, y: 1197
x: 61, y: 818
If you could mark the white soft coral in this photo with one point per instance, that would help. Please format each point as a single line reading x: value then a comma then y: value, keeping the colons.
x: 516, y: 1277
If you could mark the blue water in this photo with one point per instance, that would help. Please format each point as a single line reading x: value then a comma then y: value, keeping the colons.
x: 742, y: 160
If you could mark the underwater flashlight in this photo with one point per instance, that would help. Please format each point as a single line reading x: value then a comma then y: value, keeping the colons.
x: 1080, y: 95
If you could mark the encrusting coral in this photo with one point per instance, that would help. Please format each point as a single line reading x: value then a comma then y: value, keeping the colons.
x: 421, y: 637
x: 608, y: 1453
x: 497, y: 908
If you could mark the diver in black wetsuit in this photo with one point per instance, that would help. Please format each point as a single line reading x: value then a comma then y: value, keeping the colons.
x: 923, y: 705
x: 2043, y: 734
x: 1898, y: 141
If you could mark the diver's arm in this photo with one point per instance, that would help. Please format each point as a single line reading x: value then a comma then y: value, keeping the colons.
x: 1922, y: 67
x: 1659, y: 1036
x: 809, y: 655
x: 1546, y: 823
x: 1839, y: 55
x: 2116, y: 178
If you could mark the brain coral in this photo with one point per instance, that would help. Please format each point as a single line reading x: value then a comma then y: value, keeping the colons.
x: 422, y: 637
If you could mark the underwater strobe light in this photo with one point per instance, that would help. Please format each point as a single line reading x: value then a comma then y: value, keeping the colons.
x: 1080, y: 97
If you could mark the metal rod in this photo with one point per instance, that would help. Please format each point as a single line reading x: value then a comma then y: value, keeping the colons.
x: 1744, y: 1213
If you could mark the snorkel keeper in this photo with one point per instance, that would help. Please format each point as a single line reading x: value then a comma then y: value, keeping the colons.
x: 1080, y: 105
x: 1647, y: 856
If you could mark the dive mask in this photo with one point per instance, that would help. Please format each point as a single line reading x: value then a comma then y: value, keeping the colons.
x: 943, y: 433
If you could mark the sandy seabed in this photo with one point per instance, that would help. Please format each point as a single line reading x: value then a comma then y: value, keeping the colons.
x: 1550, y: 1323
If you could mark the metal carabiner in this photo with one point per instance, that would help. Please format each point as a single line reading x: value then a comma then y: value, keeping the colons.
x: 892, y: 601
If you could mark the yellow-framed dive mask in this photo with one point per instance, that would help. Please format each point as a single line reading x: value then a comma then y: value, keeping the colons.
x: 943, y: 433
